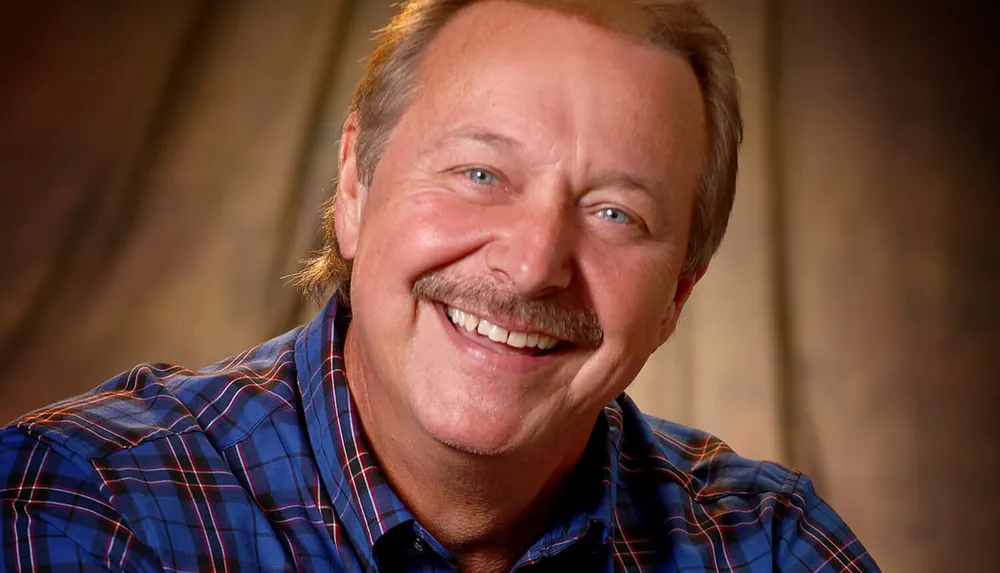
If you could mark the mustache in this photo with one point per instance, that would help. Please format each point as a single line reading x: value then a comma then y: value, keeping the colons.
x: 575, y: 324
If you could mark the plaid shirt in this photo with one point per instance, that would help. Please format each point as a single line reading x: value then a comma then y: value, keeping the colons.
x: 258, y: 464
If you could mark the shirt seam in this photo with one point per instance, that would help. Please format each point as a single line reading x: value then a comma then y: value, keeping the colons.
x: 54, y: 436
x: 782, y: 490
x: 253, y: 427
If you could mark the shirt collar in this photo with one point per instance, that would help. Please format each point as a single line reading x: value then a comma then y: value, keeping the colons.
x: 365, y: 504
x: 584, y: 517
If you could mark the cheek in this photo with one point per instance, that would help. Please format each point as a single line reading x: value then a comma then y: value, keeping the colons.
x: 410, y: 235
x: 632, y: 291
x: 400, y: 240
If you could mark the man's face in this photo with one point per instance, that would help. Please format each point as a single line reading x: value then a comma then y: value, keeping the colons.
x: 543, y: 180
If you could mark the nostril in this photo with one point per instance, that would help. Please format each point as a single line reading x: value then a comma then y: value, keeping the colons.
x: 535, y: 266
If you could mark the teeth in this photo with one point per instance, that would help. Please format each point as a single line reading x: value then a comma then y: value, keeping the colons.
x: 484, y: 327
x: 546, y: 342
x: 512, y: 338
x: 497, y: 334
x: 517, y: 339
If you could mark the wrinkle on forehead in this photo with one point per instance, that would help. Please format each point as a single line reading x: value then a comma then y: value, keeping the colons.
x: 627, y: 19
x: 661, y: 143
x: 621, y: 16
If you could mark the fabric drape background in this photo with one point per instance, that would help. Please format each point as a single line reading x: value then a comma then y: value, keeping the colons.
x: 162, y: 164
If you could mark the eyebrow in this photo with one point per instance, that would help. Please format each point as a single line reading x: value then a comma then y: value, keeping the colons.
x: 484, y: 136
x: 622, y: 179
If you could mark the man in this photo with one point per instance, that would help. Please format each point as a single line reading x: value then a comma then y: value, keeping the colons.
x: 528, y: 192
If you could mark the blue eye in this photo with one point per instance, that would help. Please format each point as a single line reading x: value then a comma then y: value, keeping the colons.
x: 613, y: 215
x: 482, y: 177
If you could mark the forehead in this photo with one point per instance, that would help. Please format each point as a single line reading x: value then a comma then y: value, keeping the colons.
x: 553, y: 80
x: 622, y: 16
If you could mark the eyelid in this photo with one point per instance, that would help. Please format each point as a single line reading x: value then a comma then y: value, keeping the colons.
x: 634, y: 219
x: 469, y: 170
x: 464, y: 171
x: 628, y: 216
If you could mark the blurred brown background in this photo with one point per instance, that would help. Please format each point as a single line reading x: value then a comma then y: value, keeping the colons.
x: 162, y: 164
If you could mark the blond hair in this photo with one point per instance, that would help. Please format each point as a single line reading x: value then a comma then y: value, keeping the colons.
x: 676, y: 26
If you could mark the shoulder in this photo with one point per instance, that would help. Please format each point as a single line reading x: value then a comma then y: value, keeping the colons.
x: 101, y: 478
x: 225, y: 401
x: 699, y: 462
x: 715, y: 505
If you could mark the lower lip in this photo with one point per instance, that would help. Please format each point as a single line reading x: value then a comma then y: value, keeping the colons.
x: 483, y: 354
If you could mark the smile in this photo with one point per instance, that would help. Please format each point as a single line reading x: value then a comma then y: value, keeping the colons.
x: 498, y: 334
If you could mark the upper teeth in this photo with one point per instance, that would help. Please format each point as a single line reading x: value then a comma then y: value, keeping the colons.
x: 496, y: 333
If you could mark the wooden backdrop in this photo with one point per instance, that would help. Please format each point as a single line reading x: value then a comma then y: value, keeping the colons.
x: 162, y: 163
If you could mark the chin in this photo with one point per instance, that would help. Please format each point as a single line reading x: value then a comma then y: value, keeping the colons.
x: 472, y: 449
x: 477, y: 429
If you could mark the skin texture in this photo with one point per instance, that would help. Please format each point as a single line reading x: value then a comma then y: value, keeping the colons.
x: 545, y: 161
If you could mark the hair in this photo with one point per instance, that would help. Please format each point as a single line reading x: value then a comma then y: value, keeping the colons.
x: 676, y: 26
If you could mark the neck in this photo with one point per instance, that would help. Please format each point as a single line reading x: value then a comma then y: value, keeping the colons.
x: 486, y: 509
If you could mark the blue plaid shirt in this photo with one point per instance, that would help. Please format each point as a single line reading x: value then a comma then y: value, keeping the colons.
x: 258, y: 464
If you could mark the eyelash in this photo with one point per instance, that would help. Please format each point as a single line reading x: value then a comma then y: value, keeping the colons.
x: 604, y: 211
x: 470, y: 173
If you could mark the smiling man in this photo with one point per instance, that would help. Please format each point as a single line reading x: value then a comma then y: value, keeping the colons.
x: 528, y: 192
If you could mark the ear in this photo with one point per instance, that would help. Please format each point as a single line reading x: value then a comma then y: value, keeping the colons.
x: 685, y: 285
x: 351, y: 194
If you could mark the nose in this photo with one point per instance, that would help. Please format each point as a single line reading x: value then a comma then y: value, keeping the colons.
x: 534, y: 250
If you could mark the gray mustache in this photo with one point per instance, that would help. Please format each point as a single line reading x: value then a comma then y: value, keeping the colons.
x: 578, y: 325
